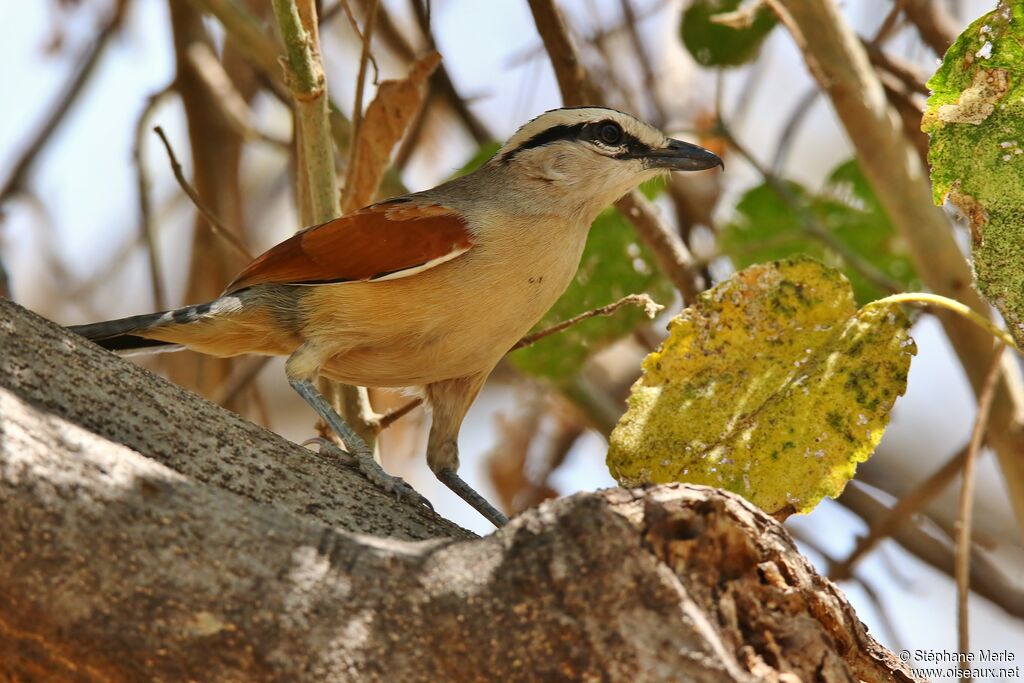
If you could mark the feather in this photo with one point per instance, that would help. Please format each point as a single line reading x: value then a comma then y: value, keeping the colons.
x: 385, y: 241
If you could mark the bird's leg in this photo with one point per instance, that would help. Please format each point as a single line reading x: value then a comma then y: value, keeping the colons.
x: 450, y: 400
x: 357, y: 449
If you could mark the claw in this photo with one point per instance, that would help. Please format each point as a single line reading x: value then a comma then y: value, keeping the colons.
x: 371, y: 470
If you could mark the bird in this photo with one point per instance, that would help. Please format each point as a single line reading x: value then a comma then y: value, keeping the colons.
x: 425, y: 290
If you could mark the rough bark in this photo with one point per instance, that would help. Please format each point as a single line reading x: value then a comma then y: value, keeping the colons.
x: 152, y: 536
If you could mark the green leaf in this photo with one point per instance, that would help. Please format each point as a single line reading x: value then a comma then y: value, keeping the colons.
x: 713, y: 44
x: 975, y: 125
x: 614, y: 264
x: 773, y: 385
x: 767, y: 228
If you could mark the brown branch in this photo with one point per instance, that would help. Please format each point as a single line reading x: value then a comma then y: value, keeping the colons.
x: 812, y: 227
x: 909, y: 504
x: 650, y: 307
x: 222, y: 91
x: 15, y: 182
x: 836, y: 59
x: 929, y: 544
x: 223, y: 232
x: 936, y: 26
x: 441, y: 81
x: 357, y: 105
x: 963, y: 537
x: 242, y: 375
x: 147, y: 231
x: 650, y: 83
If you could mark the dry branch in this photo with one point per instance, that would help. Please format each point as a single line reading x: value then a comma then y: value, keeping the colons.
x: 227, y: 555
x: 22, y: 167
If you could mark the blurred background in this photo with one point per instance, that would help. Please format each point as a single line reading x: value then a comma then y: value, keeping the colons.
x: 94, y: 225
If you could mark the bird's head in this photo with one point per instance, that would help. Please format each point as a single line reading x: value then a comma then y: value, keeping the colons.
x: 593, y: 155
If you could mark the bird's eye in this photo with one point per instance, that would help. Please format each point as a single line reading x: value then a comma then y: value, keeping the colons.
x: 610, y: 133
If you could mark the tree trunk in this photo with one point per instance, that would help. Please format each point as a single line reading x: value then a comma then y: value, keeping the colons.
x: 150, y: 535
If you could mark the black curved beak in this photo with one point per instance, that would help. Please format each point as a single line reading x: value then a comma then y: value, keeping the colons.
x: 682, y: 156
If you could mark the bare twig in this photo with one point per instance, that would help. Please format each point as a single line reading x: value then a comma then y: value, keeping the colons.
x: 907, y: 73
x: 930, y: 544
x: 146, y: 229
x: 441, y: 80
x: 650, y: 307
x: 838, y: 62
x: 364, y: 38
x: 889, y: 22
x: 796, y: 117
x: 909, y: 504
x: 22, y: 167
x: 387, y: 419
x: 222, y: 231
x: 811, y: 225
x: 242, y: 375
x: 225, y: 95
x: 936, y: 26
x: 963, y: 537
x: 258, y: 47
x: 317, y: 186
x: 357, y: 106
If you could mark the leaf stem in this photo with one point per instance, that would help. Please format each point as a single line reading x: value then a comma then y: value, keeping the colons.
x: 961, y: 309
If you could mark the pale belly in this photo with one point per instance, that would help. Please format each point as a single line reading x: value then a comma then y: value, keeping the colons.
x: 455, y: 320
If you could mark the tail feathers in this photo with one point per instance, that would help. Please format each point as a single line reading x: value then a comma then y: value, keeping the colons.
x: 127, y: 335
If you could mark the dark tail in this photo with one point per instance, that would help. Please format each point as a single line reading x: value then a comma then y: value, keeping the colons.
x: 125, y: 335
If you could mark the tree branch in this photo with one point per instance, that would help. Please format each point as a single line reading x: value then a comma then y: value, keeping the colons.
x: 312, y: 127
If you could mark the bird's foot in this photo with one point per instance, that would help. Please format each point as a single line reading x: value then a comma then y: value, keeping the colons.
x: 372, y: 470
x: 453, y: 481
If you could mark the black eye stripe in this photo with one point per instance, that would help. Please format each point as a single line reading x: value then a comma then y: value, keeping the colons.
x: 629, y: 145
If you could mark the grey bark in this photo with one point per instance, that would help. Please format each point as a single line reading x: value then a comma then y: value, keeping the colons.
x: 148, y: 535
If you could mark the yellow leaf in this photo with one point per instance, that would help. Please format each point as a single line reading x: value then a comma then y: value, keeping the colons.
x: 384, y: 124
x: 773, y: 385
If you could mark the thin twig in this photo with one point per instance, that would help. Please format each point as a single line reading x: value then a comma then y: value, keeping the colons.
x: 650, y: 307
x: 889, y: 22
x: 796, y: 117
x: 934, y: 23
x: 357, y: 106
x: 963, y: 537
x: 146, y: 230
x: 811, y: 225
x: 909, y: 504
x: 923, y: 538
x: 16, y: 180
x: 440, y: 80
x: 225, y: 95
x: 363, y: 38
x: 219, y: 229
x: 387, y: 419
x: 241, y: 376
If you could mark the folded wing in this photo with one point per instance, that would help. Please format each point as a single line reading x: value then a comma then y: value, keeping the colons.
x: 385, y: 241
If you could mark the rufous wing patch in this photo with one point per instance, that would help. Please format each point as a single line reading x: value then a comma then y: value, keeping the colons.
x: 376, y: 243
